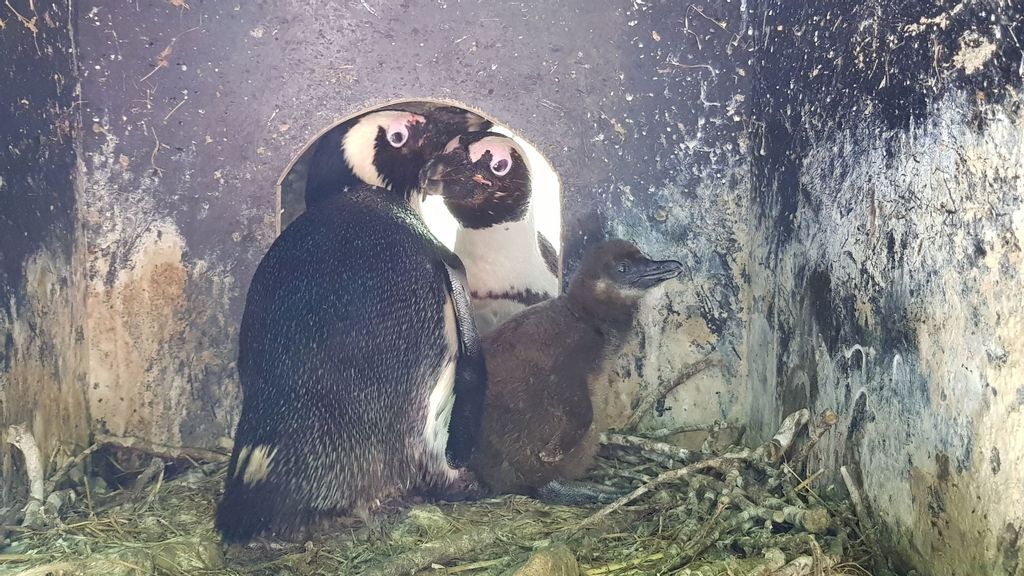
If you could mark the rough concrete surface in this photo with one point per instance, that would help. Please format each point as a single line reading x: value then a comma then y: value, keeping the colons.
x: 886, y: 262
x: 42, y: 304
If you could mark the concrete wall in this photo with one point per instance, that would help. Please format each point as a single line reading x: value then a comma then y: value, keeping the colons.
x: 886, y: 267
x: 42, y: 359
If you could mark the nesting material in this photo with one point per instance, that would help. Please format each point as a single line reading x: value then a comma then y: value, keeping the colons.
x: 729, y: 510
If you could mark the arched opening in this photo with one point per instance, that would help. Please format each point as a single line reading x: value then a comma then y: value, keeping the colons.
x: 546, y: 201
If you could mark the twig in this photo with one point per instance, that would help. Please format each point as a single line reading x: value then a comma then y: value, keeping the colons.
x: 475, y: 566
x: 651, y: 398
x: 774, y: 449
x: 662, y: 478
x: 675, y: 452
x: 436, y: 552
x: 61, y: 472
x: 152, y: 156
x: 161, y: 60
x: 666, y: 432
x: 805, y: 483
x: 175, y: 109
x: 708, y: 446
x: 855, y: 497
x: 813, y: 520
x: 172, y: 452
x: 19, y: 436
x: 826, y: 421
x: 805, y: 566
x: 156, y: 466
x: 368, y: 7
x: 18, y: 557
x: 616, y: 566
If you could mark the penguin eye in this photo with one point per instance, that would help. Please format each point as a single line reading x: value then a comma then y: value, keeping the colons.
x: 623, y: 267
x: 501, y: 166
x: 397, y: 135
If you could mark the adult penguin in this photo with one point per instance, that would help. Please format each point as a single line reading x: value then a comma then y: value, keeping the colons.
x: 359, y: 361
x: 509, y: 265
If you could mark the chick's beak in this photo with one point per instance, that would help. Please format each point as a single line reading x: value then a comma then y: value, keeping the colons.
x: 654, y: 272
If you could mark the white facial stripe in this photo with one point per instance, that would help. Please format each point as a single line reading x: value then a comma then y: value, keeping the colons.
x: 359, y: 142
x: 499, y: 146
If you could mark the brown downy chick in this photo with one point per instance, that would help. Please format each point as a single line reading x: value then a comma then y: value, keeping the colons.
x: 538, y: 423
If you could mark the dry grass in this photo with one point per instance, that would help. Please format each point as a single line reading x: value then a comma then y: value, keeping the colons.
x: 747, y: 518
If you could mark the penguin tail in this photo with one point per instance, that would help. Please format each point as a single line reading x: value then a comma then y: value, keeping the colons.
x: 240, y: 516
x: 246, y: 512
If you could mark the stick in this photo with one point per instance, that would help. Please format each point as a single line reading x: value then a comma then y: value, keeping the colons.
x: 156, y: 466
x: 19, y: 436
x: 805, y: 566
x: 681, y: 454
x: 710, y: 443
x: 61, y: 472
x: 774, y: 449
x: 436, y: 552
x: 665, y: 432
x: 651, y: 398
x: 855, y: 497
x: 826, y: 421
x: 172, y: 452
x: 662, y: 478
x: 813, y: 520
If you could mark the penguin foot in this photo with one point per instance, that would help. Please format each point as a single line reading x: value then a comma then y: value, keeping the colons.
x: 465, y: 487
x: 576, y: 493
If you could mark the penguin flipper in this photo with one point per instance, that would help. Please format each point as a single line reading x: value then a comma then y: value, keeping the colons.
x: 547, y: 252
x: 470, y: 387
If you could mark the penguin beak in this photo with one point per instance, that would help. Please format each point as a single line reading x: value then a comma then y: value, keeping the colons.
x: 432, y: 178
x: 443, y: 168
x: 653, y: 272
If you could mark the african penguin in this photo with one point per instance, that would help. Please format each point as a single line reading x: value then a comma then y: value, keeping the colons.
x: 509, y: 264
x: 385, y: 148
x: 360, y: 367
x: 539, y: 424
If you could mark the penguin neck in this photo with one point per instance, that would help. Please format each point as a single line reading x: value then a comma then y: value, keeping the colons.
x: 489, y: 255
x: 611, y: 316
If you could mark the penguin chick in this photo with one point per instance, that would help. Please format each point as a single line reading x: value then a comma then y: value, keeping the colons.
x: 486, y: 185
x: 385, y: 148
x: 539, y: 423
x: 360, y: 368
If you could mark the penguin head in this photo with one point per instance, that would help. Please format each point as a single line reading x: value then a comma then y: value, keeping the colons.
x: 613, y: 277
x: 388, y: 148
x: 483, y: 178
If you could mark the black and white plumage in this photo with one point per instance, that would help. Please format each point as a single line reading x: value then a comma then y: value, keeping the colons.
x: 360, y: 366
x: 385, y: 148
x: 509, y: 264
